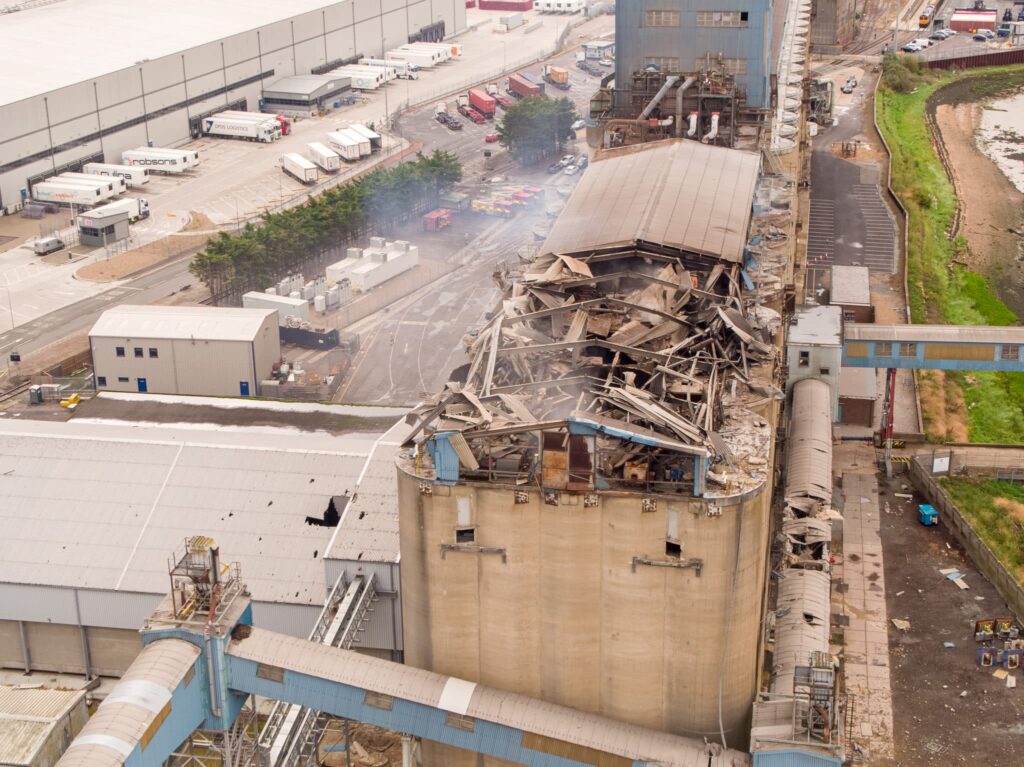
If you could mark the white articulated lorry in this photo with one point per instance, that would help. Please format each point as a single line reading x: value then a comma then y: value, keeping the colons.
x: 161, y: 160
x: 422, y: 59
x: 66, y: 194
x: 404, y: 70
x: 345, y: 145
x: 135, y: 207
x: 132, y: 176
x: 323, y: 156
x: 117, y: 183
x: 299, y: 167
x: 264, y: 131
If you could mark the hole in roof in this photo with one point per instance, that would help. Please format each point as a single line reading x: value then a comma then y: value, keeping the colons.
x: 332, y: 514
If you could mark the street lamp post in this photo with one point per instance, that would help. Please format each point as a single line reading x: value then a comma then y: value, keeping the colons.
x: 10, y: 304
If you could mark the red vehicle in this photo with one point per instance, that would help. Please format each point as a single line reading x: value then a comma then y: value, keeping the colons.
x: 490, y: 138
x: 471, y: 114
x: 482, y: 102
x: 501, y: 101
x: 520, y: 87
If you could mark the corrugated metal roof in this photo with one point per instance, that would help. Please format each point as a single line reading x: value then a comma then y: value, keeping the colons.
x: 102, y: 506
x: 858, y: 383
x: 26, y: 718
x: 306, y: 85
x: 851, y: 285
x: 681, y: 194
x: 803, y: 613
x: 863, y: 331
x: 498, y: 706
x: 817, y: 325
x: 809, y: 464
x: 207, y: 323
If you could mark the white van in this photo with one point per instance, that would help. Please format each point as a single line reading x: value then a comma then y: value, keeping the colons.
x: 46, y: 245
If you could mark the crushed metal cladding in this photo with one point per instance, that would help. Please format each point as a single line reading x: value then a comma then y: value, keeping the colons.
x: 656, y: 353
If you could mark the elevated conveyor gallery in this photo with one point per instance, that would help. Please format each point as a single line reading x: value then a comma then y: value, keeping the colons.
x: 203, y: 660
x: 933, y: 347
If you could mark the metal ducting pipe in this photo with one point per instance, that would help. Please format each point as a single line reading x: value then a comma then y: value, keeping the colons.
x: 669, y: 82
x: 692, y: 130
x: 679, y: 104
x: 712, y: 134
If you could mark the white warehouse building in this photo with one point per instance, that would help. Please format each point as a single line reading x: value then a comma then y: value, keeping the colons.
x: 218, y: 352
x: 158, y: 68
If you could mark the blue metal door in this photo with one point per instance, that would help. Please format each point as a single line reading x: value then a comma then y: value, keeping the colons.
x: 243, y: 387
x: 142, y: 384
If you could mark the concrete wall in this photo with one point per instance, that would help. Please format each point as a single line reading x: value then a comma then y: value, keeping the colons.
x: 203, y: 367
x: 857, y: 312
x: 58, y: 648
x: 635, y: 42
x: 154, y: 101
x: 856, y: 412
x: 833, y: 24
x: 565, y: 617
x: 819, y: 358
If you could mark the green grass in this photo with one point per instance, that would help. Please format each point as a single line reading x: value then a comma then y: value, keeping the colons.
x: 996, y: 525
x: 940, y: 291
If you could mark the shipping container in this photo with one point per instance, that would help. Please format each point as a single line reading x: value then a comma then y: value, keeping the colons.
x: 132, y: 176
x: 323, y: 156
x: 298, y: 167
x: 520, y: 87
x: 376, y: 142
x: 505, y: 5
x: 482, y: 103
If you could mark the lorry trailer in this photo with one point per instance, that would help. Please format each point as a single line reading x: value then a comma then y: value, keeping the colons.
x: 520, y: 87
x: 106, y: 191
x: 246, y: 128
x: 132, y: 176
x: 117, y: 184
x: 557, y: 76
x: 66, y: 194
x: 451, y: 50
x: 442, y: 53
x: 388, y: 71
x: 345, y: 145
x: 323, y: 156
x: 136, y: 208
x: 424, y: 59
x: 404, y: 70
x: 376, y: 143
x: 299, y: 167
x: 283, y: 122
x: 163, y: 160
x: 360, y: 81
x: 482, y: 103
x: 361, y: 141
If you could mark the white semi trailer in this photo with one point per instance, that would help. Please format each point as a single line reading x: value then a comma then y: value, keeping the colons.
x: 132, y: 176
x: 376, y: 143
x: 362, y: 142
x: 135, y: 207
x: 242, y: 127
x: 422, y: 59
x: 323, y: 156
x: 299, y: 167
x: 163, y: 160
x: 117, y: 183
x: 67, y: 194
x: 404, y: 70
x: 345, y: 145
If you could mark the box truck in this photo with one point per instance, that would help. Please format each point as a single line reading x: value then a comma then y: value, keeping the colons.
x: 117, y: 184
x: 132, y: 176
x: 361, y: 141
x: 135, y: 207
x: 283, y: 122
x: 67, y: 194
x: 221, y: 126
x: 345, y: 145
x: 520, y: 87
x: 299, y: 167
x: 404, y: 70
x: 482, y: 103
x: 163, y: 160
x: 376, y: 143
x: 323, y: 156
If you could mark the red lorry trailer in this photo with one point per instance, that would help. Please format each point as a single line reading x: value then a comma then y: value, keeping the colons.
x: 482, y: 103
x: 520, y: 87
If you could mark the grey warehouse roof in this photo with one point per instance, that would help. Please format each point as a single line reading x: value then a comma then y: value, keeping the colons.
x: 817, y: 325
x: 27, y: 715
x: 309, y: 86
x: 103, y: 505
x: 1011, y: 334
x: 851, y: 285
x: 205, y: 323
x: 680, y: 194
x: 142, y: 31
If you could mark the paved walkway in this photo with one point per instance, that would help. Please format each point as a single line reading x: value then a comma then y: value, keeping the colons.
x: 859, y: 569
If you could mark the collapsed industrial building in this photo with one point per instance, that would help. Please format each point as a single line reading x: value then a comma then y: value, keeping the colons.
x: 584, y: 508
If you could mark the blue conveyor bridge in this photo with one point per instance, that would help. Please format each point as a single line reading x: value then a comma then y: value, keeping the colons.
x: 202, y: 660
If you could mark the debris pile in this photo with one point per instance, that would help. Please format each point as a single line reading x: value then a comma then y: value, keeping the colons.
x: 632, y: 365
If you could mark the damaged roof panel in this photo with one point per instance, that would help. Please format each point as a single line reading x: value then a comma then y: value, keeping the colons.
x: 678, y: 194
x: 809, y: 464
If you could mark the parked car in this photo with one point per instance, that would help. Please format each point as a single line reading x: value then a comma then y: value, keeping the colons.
x: 984, y: 35
x: 583, y: 163
x: 851, y: 81
x: 490, y: 138
x: 911, y: 47
x: 606, y: 63
x: 847, y: 88
x: 578, y: 125
x: 554, y: 167
x: 924, y: 42
x: 567, y: 159
x: 571, y: 170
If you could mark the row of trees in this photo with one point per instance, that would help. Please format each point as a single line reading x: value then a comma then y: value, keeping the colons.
x: 282, y: 243
x: 534, y: 128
